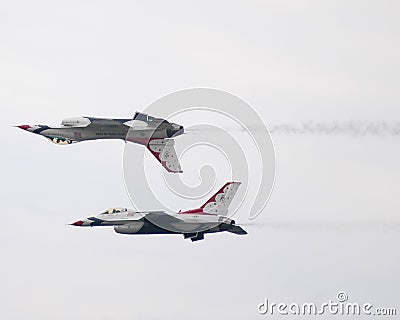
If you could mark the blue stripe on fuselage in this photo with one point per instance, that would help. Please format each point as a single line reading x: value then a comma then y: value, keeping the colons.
x: 42, y: 128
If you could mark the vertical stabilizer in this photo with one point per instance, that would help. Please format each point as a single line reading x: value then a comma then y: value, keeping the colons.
x: 219, y: 202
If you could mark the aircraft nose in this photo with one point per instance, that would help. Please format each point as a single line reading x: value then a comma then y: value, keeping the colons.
x: 178, y: 130
x: 24, y: 126
x: 181, y: 130
x: 78, y: 223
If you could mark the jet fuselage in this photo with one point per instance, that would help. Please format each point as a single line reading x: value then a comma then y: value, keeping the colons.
x: 211, y: 217
x: 192, y: 226
x: 155, y: 133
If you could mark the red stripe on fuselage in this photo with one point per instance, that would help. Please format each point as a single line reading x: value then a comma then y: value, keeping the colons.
x: 197, y: 211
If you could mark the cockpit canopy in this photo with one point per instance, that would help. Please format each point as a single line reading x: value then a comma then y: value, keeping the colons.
x: 76, y: 122
x: 115, y: 210
x: 146, y: 118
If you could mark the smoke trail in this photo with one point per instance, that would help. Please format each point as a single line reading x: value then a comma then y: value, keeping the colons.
x: 352, y: 128
x: 327, y: 225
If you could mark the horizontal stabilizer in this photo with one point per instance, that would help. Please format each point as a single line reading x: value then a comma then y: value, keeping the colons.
x: 164, y: 151
x: 237, y: 230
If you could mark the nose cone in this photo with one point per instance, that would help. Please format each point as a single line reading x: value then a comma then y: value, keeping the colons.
x: 78, y: 223
x: 175, y: 131
x: 24, y: 126
x: 181, y: 130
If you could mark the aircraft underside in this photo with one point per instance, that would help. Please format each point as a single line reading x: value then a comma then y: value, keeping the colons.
x: 150, y: 228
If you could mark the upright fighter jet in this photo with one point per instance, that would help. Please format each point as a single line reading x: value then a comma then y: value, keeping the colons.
x: 155, y: 133
x: 211, y: 217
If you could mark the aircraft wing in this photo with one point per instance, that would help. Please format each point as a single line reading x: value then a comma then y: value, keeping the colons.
x: 161, y: 216
x: 165, y: 221
x: 164, y: 151
x: 106, y: 121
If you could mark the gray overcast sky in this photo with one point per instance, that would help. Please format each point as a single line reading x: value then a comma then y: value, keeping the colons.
x: 332, y: 223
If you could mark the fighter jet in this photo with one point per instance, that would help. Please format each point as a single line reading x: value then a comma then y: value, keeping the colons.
x: 155, y: 133
x: 211, y: 217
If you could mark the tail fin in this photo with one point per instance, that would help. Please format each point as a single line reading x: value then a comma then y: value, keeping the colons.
x: 219, y: 202
x: 164, y: 151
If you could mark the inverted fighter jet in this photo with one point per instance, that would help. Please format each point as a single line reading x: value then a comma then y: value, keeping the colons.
x: 211, y: 217
x: 155, y: 133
